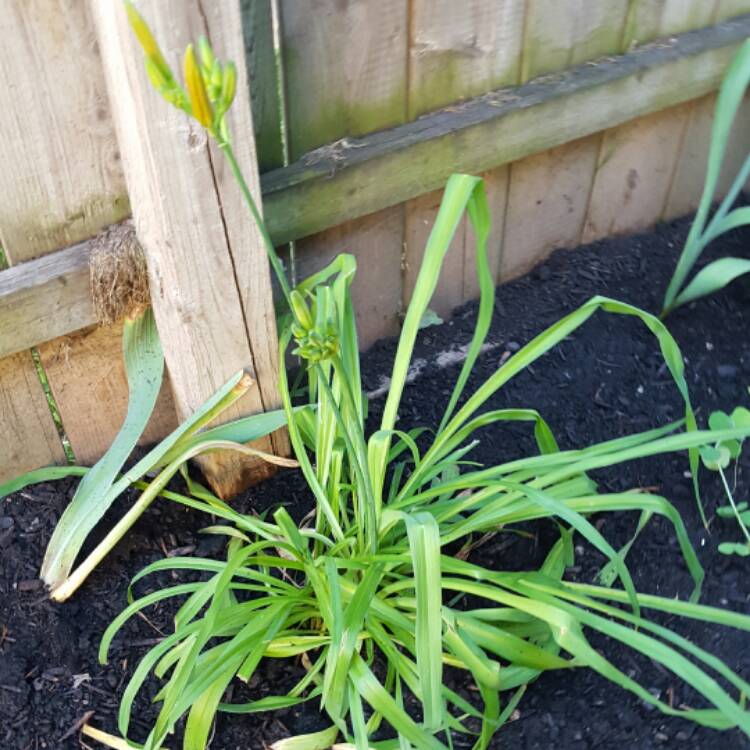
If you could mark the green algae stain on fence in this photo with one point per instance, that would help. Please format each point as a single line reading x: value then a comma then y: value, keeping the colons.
x: 345, y: 69
x: 316, y: 119
x: 561, y: 35
x: 652, y: 19
x: 461, y: 50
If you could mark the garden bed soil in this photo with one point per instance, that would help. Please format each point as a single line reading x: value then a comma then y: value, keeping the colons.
x: 605, y: 380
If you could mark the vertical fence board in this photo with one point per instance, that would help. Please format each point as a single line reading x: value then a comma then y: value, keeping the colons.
x: 345, y: 73
x: 651, y: 19
x: 726, y: 9
x: 251, y: 269
x: 61, y: 181
x: 549, y: 192
x: 344, y: 68
x: 562, y: 34
x: 460, y: 50
x: 29, y: 437
x: 687, y: 185
x: 547, y: 202
x: 210, y: 285
x: 260, y: 57
x: 634, y: 176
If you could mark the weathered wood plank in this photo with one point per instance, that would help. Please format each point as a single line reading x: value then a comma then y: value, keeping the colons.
x: 687, y: 185
x: 260, y: 58
x: 457, y: 50
x: 246, y: 246
x: 560, y: 35
x: 61, y: 182
x: 86, y: 373
x: 210, y: 284
x: 345, y: 68
x: 527, y: 122
x: 392, y: 166
x: 548, y: 193
x: 462, y: 50
x: 61, y: 179
x: 345, y: 73
x: 547, y: 202
x: 634, y: 175
x: 29, y: 436
x: 46, y: 297
x: 726, y: 9
x: 651, y: 19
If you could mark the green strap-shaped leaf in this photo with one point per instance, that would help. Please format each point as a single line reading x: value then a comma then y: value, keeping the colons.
x: 144, y: 366
x: 316, y: 741
x: 460, y: 191
x: 424, y: 545
x: 345, y: 634
x: 37, y: 476
x: 713, y: 277
x: 381, y: 701
x: 728, y: 102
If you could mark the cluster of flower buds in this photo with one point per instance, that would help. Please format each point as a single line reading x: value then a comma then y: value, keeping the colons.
x: 316, y: 338
x: 210, y: 84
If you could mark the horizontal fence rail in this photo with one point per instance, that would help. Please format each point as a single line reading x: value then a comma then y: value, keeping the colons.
x: 50, y: 296
x: 358, y: 176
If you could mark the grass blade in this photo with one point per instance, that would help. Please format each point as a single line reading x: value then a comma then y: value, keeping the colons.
x: 424, y: 545
x: 713, y: 277
x: 38, y: 476
x: 728, y: 102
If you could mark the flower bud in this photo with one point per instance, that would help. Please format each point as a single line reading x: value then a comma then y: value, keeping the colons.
x: 196, y: 87
x: 147, y: 41
x: 228, y: 85
x: 301, y: 310
x: 207, y: 54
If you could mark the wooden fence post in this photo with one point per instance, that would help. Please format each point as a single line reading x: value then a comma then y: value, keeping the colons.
x: 210, y: 283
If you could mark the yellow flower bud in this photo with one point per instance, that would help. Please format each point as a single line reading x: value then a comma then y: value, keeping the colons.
x: 228, y: 86
x: 146, y: 39
x: 301, y: 311
x: 196, y: 89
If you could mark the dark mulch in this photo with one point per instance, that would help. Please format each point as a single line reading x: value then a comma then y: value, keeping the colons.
x: 605, y: 380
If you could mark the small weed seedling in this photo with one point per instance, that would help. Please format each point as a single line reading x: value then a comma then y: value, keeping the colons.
x: 717, y: 458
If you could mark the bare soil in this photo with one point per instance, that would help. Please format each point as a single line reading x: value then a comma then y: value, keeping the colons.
x: 606, y: 380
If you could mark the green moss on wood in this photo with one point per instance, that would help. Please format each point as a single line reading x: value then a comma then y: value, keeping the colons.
x: 317, y: 115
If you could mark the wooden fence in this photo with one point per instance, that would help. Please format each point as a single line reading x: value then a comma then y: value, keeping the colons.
x: 586, y: 117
